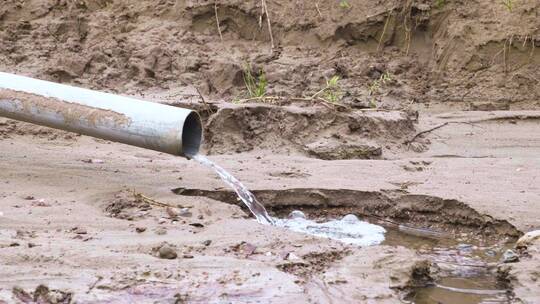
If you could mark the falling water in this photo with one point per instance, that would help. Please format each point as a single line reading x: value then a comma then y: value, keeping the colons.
x: 348, y: 230
x: 243, y: 193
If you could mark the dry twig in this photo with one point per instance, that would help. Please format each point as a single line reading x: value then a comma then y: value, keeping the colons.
x: 217, y: 21
x: 435, y: 128
x: 265, y: 11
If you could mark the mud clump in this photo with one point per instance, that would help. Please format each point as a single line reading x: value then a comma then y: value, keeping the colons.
x: 126, y: 205
x: 167, y: 252
x: 316, y: 131
x: 312, y: 263
x: 44, y: 295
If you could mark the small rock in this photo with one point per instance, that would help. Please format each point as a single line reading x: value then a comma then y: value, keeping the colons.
x: 79, y: 230
x: 167, y: 252
x: 160, y: 231
x: 528, y: 239
x: 198, y: 225
x: 162, y: 220
x: 40, y: 203
x: 207, y: 242
x: 29, y: 198
x: 171, y: 212
x: 93, y: 161
x: 187, y: 256
x: 510, y: 256
x: 490, y: 252
x: 140, y: 229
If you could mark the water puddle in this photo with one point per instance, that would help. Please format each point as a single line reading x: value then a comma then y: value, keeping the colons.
x: 464, y: 267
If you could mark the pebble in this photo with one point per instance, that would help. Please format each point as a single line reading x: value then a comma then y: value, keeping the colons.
x: 162, y: 220
x: 160, y: 231
x: 167, y: 252
x: 510, y: 256
x: 207, y: 242
x: 140, y: 229
x: 79, y: 230
x: 528, y: 239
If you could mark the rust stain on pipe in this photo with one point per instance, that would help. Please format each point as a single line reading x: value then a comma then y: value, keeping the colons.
x: 70, y: 111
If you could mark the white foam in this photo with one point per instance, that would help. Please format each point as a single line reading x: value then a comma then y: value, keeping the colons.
x: 349, y: 230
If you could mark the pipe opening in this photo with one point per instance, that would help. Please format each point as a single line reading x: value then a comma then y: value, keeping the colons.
x: 191, y: 135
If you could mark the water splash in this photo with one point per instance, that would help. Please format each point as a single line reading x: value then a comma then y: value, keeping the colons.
x: 243, y: 193
x: 348, y: 230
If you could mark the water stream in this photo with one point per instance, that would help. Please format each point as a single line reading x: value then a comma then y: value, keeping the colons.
x: 256, y: 208
x: 465, y: 266
x: 349, y: 229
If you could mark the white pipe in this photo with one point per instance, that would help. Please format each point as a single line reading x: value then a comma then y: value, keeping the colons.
x: 112, y: 117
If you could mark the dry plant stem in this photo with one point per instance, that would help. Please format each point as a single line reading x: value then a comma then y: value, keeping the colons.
x: 318, y: 10
x: 532, y: 50
x: 265, y: 9
x: 384, y: 31
x: 504, y: 56
x: 435, y: 128
x: 407, y: 27
x: 217, y: 21
x: 151, y: 201
x: 206, y: 105
x: 322, y: 101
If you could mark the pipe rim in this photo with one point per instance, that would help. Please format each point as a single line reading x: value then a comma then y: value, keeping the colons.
x: 191, y: 135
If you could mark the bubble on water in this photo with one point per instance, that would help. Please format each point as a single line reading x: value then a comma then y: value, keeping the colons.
x: 295, y: 214
x: 350, y: 218
x: 353, y: 231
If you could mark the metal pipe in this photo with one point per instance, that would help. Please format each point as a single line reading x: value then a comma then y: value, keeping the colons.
x: 112, y: 117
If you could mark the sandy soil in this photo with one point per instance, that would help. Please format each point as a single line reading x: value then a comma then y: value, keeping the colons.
x: 450, y: 141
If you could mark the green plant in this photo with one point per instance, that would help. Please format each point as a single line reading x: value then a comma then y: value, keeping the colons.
x: 332, y: 91
x: 255, y: 84
x: 375, y: 87
x: 344, y: 4
x: 509, y: 4
x: 440, y: 3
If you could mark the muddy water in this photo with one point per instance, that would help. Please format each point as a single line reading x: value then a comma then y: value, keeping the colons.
x: 463, y: 266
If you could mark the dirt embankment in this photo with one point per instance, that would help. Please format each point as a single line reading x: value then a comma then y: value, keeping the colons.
x: 479, y: 54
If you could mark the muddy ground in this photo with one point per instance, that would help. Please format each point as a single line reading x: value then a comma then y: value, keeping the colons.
x: 434, y: 123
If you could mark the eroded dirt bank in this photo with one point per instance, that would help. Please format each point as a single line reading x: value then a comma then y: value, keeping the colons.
x: 433, y: 123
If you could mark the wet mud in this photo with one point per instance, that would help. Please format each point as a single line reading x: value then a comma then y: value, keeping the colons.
x: 431, y: 132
